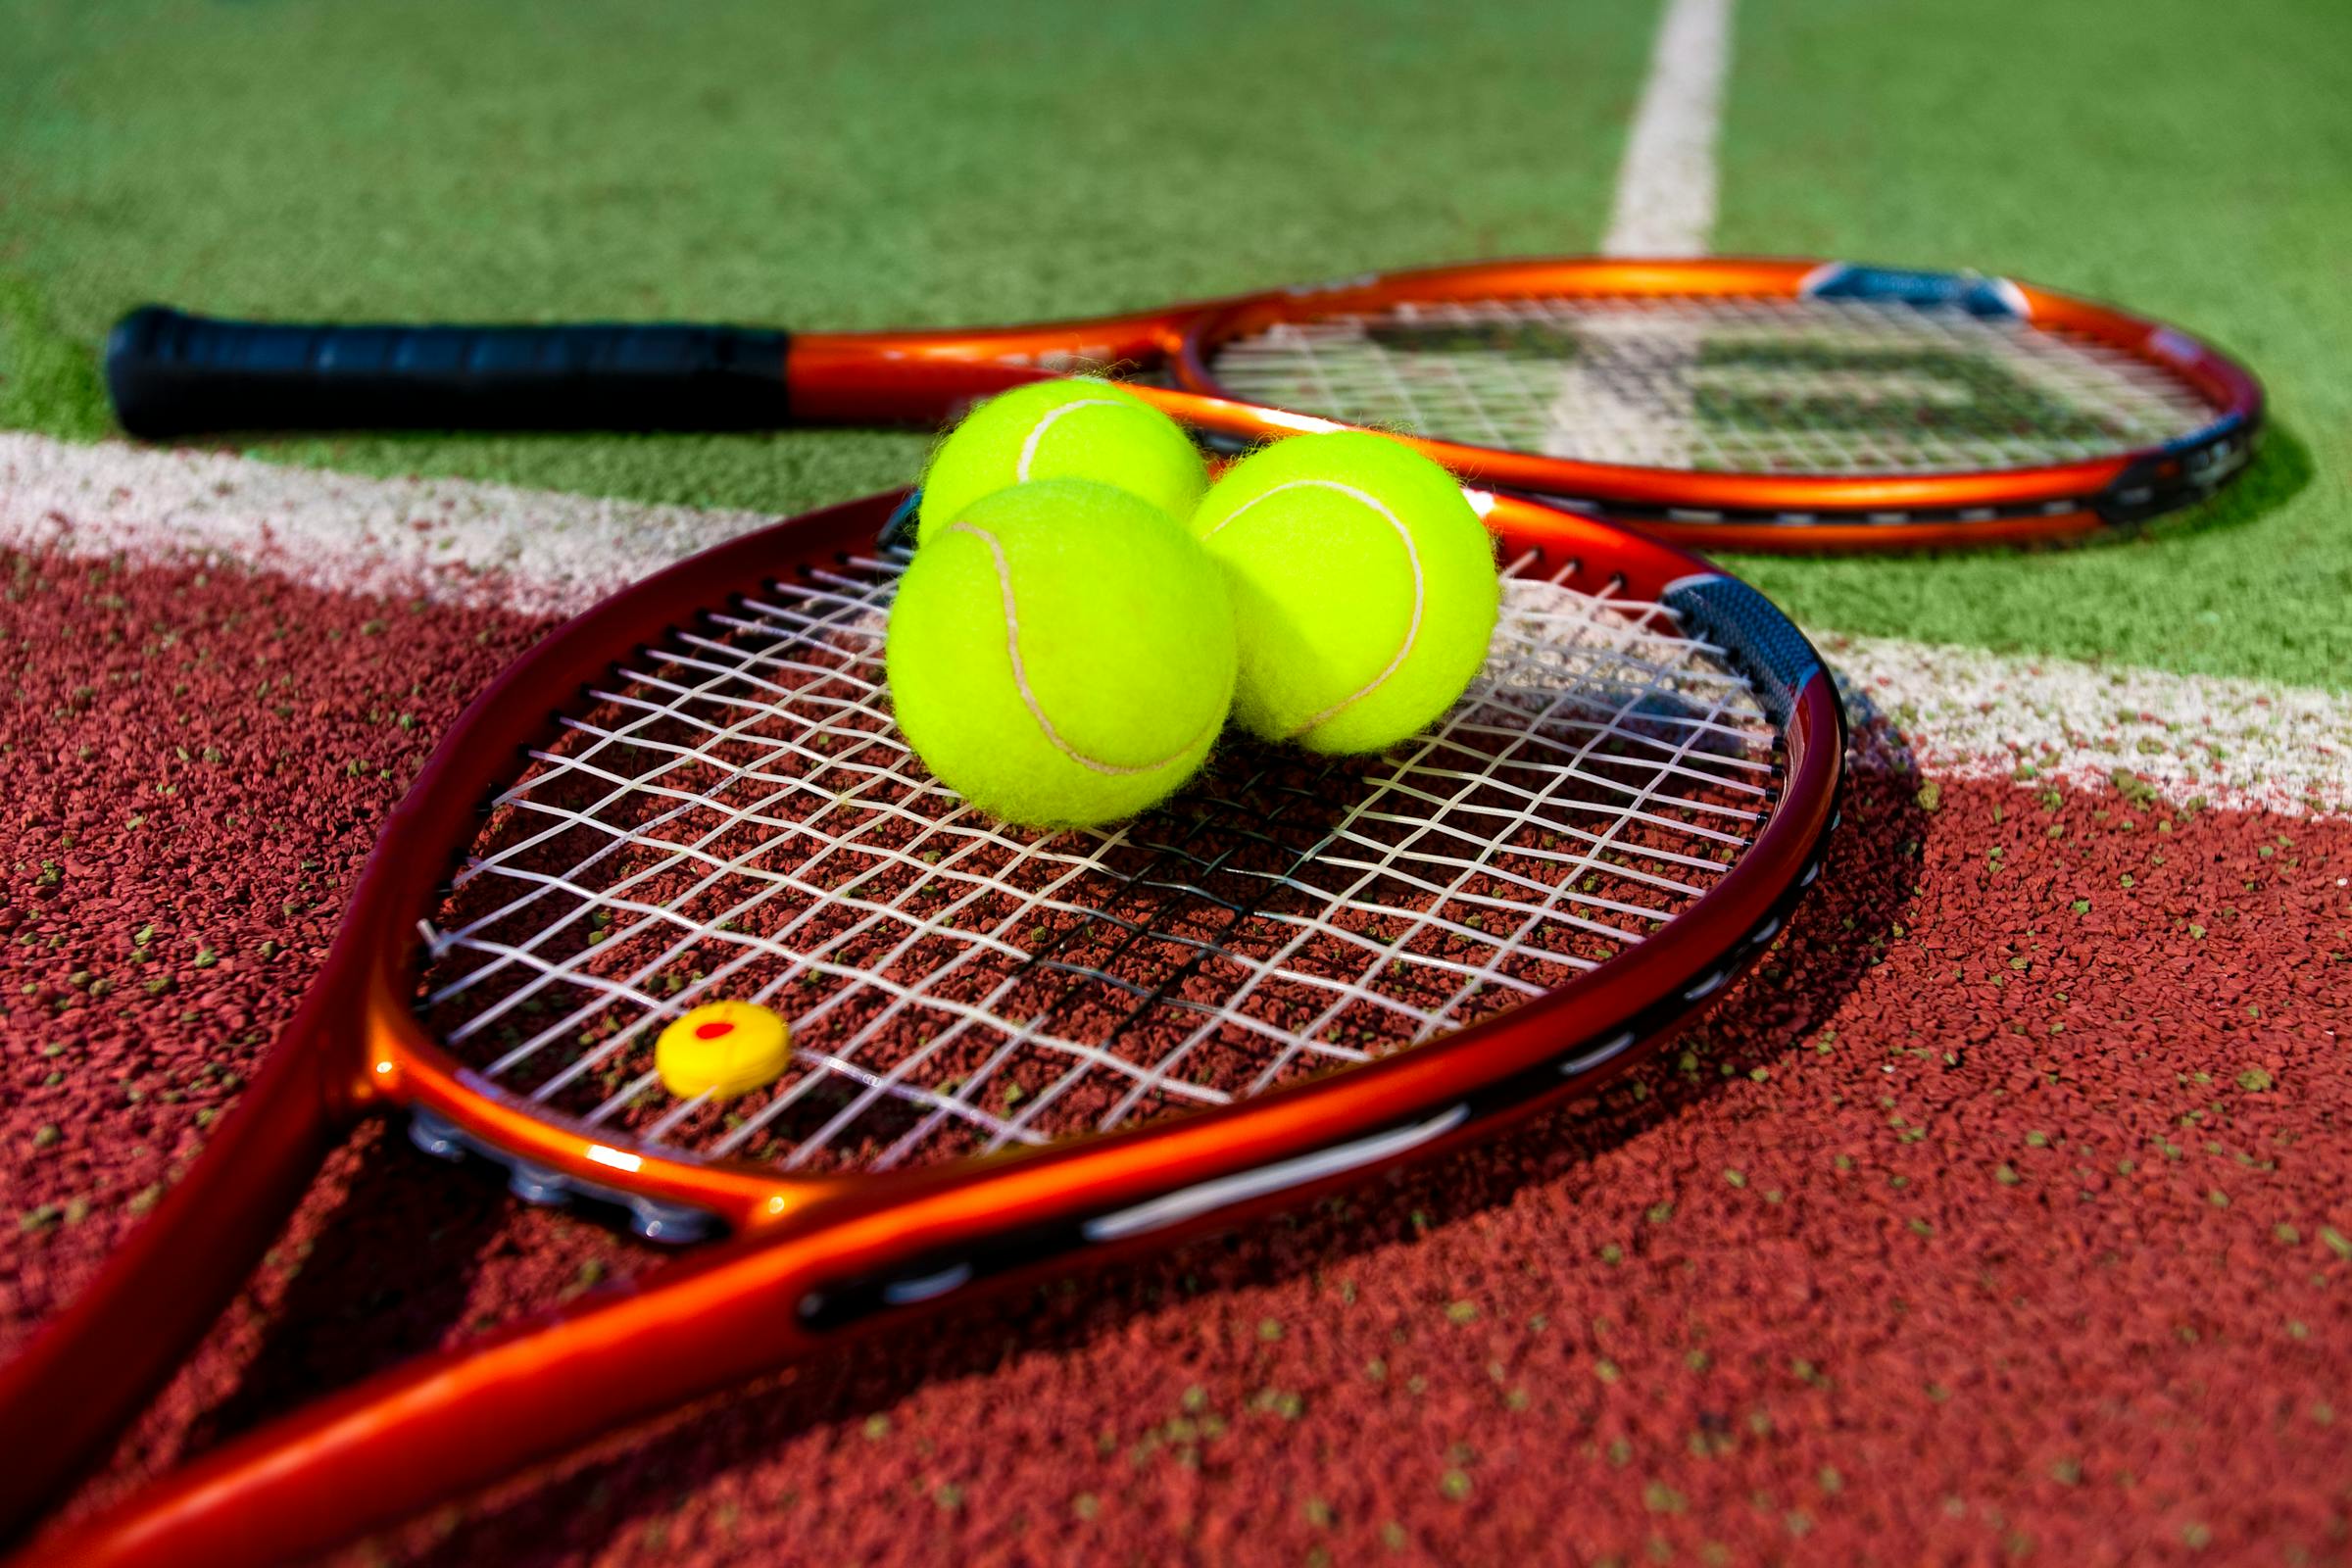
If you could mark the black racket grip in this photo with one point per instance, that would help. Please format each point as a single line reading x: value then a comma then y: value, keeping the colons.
x: 170, y: 373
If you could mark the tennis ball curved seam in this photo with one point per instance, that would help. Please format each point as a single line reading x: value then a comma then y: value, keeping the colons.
x: 1037, y: 433
x: 1021, y: 672
x: 1074, y: 428
x: 1412, y: 557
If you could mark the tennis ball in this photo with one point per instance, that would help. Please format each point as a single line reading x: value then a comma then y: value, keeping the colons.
x: 1075, y: 429
x: 1364, y: 590
x: 1061, y: 653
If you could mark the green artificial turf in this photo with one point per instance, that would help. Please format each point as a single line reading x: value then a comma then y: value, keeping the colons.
x: 2152, y: 152
x: 838, y: 165
x: 814, y: 165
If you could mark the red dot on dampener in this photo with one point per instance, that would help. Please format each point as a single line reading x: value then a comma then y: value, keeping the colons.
x: 713, y: 1029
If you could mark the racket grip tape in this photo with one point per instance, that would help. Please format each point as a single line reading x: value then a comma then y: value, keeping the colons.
x: 170, y: 373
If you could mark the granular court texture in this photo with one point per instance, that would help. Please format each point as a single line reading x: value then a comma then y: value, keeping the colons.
x: 2002, y: 1221
x: 2001, y: 1216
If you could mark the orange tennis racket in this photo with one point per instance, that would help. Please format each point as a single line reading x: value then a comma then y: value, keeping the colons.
x: 1753, y: 405
x: 1011, y: 1051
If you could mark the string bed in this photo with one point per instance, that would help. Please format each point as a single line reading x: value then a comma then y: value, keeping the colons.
x: 1772, y: 386
x: 733, y: 814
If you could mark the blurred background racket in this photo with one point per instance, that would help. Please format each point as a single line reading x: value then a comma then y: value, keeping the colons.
x: 1755, y: 404
x: 1011, y: 1051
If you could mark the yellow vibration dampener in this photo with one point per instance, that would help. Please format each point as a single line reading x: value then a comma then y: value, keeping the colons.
x: 722, y: 1048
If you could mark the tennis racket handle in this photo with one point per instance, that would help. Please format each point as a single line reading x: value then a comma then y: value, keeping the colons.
x: 170, y: 373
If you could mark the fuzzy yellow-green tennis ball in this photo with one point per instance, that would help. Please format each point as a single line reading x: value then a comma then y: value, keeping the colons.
x: 723, y: 1049
x: 1074, y: 430
x: 1061, y: 653
x: 1364, y: 589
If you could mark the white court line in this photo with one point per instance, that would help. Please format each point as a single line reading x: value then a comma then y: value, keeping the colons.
x: 1969, y: 714
x: 1962, y: 713
x: 1666, y: 185
x: 448, y: 540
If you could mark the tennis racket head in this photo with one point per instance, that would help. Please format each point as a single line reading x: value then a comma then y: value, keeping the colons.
x: 1293, y: 956
x: 1012, y: 1050
x: 1734, y: 404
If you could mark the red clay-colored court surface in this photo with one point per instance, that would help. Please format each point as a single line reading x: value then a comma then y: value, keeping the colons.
x: 1998, y: 1215
x: 2002, y: 1216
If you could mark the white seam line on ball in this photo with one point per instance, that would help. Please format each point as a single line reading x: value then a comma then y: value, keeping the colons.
x: 1020, y: 671
x: 1412, y: 556
x: 1037, y: 433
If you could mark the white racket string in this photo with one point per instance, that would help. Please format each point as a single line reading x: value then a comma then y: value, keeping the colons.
x: 1730, y: 385
x: 733, y: 814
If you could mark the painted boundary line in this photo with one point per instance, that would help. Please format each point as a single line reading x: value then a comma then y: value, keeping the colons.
x: 1665, y: 202
x: 2241, y: 743
x: 453, y: 541
x: 1964, y: 714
